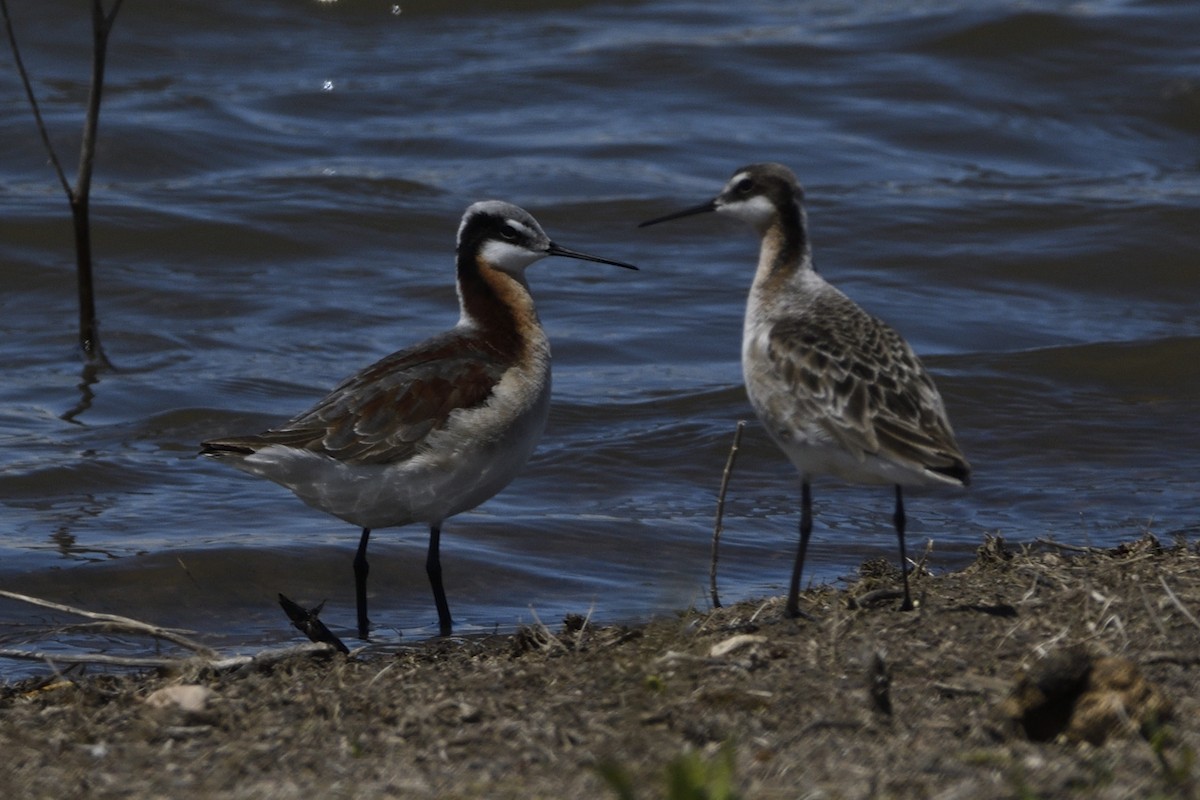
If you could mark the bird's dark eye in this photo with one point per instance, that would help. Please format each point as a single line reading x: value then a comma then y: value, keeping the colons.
x: 744, y: 186
x: 508, y: 233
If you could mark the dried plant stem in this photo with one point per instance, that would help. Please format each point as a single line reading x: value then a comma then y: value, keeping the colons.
x: 33, y: 103
x: 1178, y: 603
x: 88, y: 658
x: 1074, y: 548
x: 112, y: 623
x: 78, y: 196
x: 717, y: 526
x: 118, y: 624
x: 220, y: 664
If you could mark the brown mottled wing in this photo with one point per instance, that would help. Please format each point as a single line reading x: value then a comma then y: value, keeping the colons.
x: 383, y: 413
x: 860, y: 382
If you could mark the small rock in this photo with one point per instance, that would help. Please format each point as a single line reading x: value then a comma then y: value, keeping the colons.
x: 190, y: 698
x: 733, y: 643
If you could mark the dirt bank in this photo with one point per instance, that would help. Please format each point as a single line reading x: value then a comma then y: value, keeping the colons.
x: 859, y: 701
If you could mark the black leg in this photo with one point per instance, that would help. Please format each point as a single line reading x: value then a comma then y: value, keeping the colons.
x: 898, y: 519
x: 793, y: 601
x: 361, y: 568
x: 433, y: 568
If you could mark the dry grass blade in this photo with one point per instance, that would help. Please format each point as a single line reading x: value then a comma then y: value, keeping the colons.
x: 271, y: 656
x: 1178, y: 603
x: 717, y: 525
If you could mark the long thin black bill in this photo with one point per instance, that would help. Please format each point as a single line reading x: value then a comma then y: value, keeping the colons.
x: 687, y: 212
x: 555, y: 250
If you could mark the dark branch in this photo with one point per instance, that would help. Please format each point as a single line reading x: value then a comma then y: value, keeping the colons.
x: 33, y: 103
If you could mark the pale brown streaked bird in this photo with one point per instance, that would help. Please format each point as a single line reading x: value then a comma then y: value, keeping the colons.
x: 838, y: 390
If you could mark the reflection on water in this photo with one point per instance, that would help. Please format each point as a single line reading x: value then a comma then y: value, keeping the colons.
x: 89, y: 377
x: 1011, y: 187
x: 69, y: 546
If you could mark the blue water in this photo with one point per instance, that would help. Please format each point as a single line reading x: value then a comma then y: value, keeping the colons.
x: 1013, y: 186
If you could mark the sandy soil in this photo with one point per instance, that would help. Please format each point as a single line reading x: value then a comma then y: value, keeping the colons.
x: 1044, y: 673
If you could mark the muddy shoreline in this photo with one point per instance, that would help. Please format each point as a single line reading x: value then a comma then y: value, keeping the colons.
x: 860, y: 700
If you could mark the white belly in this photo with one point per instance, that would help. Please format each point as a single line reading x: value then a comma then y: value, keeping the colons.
x: 472, y: 458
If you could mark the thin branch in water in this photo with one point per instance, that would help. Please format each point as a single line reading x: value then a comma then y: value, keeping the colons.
x: 118, y: 623
x: 204, y: 656
x: 78, y: 195
x: 101, y: 28
x: 89, y: 328
x: 33, y: 103
x: 717, y: 526
x: 89, y: 658
x: 260, y: 658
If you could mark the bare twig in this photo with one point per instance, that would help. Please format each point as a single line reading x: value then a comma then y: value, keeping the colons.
x: 271, y: 656
x: 232, y: 662
x: 78, y: 196
x: 33, y: 103
x: 1074, y: 548
x: 872, y: 597
x: 543, y: 635
x: 118, y: 623
x: 1150, y: 614
x: 716, y: 540
x: 921, y: 565
x: 974, y: 684
x: 204, y: 656
x: 101, y: 28
x: 1178, y: 603
x: 1164, y: 657
x: 89, y: 658
x: 89, y: 330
